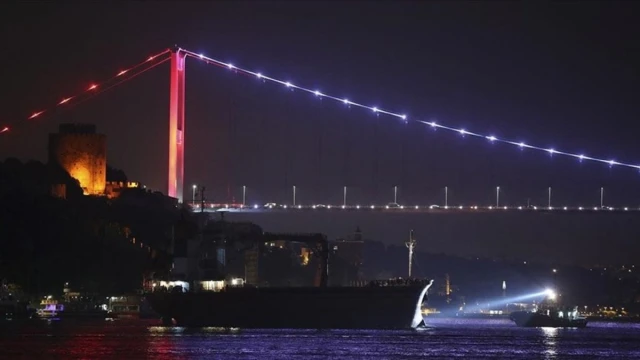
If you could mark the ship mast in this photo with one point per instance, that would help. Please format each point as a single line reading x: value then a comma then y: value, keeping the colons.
x: 411, y: 244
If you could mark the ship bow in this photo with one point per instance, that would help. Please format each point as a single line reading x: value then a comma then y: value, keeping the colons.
x: 418, y: 319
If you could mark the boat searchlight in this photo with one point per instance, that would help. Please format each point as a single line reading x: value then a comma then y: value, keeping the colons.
x: 551, y: 295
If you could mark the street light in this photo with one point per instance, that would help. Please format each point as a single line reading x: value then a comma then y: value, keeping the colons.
x: 446, y: 196
x: 344, y: 197
x: 193, y: 197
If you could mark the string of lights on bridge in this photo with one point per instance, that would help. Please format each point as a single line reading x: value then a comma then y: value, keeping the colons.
x: 95, y: 88
x: 395, y: 206
x: 155, y: 60
x: 406, y: 118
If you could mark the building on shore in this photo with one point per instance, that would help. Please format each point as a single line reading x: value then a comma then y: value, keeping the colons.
x: 82, y: 152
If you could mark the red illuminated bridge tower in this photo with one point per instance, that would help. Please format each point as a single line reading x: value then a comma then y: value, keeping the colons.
x: 175, y: 182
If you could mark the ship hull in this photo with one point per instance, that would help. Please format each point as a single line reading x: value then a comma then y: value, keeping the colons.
x: 393, y: 307
x: 529, y: 319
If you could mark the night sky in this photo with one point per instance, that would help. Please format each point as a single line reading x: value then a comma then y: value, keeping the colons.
x: 560, y: 75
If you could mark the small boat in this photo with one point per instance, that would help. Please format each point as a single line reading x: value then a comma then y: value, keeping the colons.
x: 547, y: 319
x: 549, y: 315
x: 124, y: 307
x: 49, y: 308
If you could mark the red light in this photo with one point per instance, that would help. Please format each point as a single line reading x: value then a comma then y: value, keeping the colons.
x: 34, y: 115
x: 122, y: 72
x: 5, y: 129
x: 65, y: 100
x: 93, y: 86
x: 151, y: 58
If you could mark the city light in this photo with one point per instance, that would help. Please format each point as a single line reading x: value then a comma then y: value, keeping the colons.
x: 35, y: 114
x: 65, y: 100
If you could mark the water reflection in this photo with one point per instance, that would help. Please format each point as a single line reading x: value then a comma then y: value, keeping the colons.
x: 467, y: 339
x: 180, y: 331
x: 550, y: 342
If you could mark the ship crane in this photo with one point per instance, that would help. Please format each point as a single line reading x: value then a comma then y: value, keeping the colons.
x: 411, y: 244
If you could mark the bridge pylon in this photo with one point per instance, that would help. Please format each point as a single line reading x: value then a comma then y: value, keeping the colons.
x: 175, y: 184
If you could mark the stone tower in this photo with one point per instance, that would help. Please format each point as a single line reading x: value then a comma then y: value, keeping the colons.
x: 82, y: 152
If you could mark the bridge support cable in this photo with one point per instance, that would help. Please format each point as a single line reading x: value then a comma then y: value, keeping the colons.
x: 403, y: 168
x: 432, y: 124
x: 91, y: 90
x: 347, y: 154
x: 232, y: 166
x: 320, y: 185
x: 376, y: 159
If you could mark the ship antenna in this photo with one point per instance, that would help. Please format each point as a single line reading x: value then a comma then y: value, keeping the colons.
x: 411, y: 244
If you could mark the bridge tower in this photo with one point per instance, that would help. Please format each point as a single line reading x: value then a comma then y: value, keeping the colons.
x: 175, y: 182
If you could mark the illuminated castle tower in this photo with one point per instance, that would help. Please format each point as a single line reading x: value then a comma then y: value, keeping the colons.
x: 82, y: 152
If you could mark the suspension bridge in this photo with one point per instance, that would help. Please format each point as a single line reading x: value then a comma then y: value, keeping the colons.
x: 177, y: 188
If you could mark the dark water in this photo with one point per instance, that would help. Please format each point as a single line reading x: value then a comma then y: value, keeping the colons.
x: 444, y: 339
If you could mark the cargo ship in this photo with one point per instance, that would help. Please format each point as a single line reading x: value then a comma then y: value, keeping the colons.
x: 369, y: 307
x: 220, y: 301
